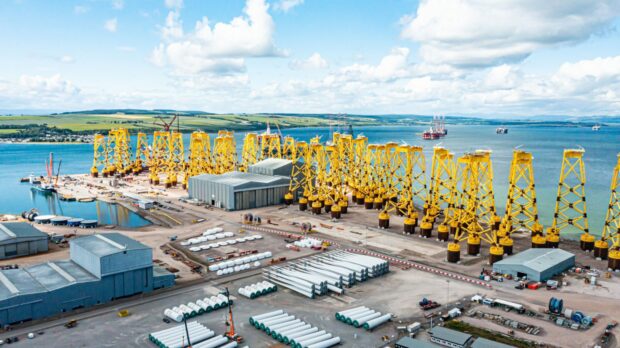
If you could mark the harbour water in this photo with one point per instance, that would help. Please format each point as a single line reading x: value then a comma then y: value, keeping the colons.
x: 546, y: 143
x: 19, y: 160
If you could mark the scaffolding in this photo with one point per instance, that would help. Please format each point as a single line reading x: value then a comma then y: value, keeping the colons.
x: 611, y: 229
x: 570, y: 205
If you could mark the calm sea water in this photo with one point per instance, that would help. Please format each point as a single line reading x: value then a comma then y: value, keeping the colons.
x: 19, y: 160
x: 546, y: 143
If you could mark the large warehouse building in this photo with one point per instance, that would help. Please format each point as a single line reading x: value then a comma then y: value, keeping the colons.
x: 21, y: 239
x: 264, y: 184
x: 102, y: 268
x: 537, y: 264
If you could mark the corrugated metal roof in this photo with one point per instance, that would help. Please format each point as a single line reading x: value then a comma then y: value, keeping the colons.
x: 272, y: 163
x: 240, y: 180
x: 41, y: 278
x: 484, y: 343
x: 12, y: 230
x: 108, y: 243
x: 538, y: 259
x: 450, y: 335
x: 415, y: 343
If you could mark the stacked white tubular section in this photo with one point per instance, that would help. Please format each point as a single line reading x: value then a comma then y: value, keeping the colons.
x: 176, y: 336
x: 328, y: 272
x: 198, y: 307
x: 239, y: 264
x: 214, y: 342
x: 253, y: 291
x: 290, y: 330
x: 363, y: 317
x: 222, y: 243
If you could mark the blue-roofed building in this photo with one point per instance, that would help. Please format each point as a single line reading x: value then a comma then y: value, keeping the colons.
x: 539, y: 264
x: 21, y: 239
x: 485, y: 343
x: 102, y: 268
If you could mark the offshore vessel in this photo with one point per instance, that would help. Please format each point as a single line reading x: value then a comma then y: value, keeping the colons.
x: 437, y: 129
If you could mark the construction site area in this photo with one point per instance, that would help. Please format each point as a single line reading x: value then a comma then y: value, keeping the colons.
x: 325, y: 243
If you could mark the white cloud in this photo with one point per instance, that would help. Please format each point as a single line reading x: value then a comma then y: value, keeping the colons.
x: 118, y: 4
x: 80, y: 9
x: 286, y: 5
x: 314, y: 62
x: 173, y: 4
x: 392, y: 66
x: 67, y: 59
x: 111, y: 25
x: 480, y: 33
x: 218, y: 47
x: 53, y: 85
x: 173, y: 28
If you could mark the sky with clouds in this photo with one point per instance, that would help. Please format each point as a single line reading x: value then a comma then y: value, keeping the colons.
x: 465, y: 57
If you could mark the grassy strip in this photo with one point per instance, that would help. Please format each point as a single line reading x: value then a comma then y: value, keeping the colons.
x: 491, y: 335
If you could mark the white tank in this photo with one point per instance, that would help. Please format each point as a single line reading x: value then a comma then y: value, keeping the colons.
x: 228, y: 234
x: 257, y: 264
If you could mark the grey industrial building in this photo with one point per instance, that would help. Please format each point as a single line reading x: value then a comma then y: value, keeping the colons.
x: 21, y: 239
x: 408, y: 342
x: 539, y: 264
x: 485, y: 343
x: 101, y: 268
x: 449, y: 338
x: 261, y: 186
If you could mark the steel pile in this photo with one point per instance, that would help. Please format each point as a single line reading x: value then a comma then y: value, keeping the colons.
x: 293, y: 331
x: 363, y: 317
x: 253, y: 291
x: 331, y: 271
x: 200, y: 336
x: 192, y: 309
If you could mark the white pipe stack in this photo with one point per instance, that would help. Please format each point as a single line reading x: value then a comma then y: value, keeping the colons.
x: 363, y: 317
x: 214, y: 342
x: 239, y: 264
x: 289, y: 330
x: 214, y: 245
x: 328, y: 272
x: 198, y: 307
x: 176, y: 337
x: 253, y: 291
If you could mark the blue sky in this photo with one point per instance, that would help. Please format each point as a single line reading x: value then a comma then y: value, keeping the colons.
x: 509, y: 58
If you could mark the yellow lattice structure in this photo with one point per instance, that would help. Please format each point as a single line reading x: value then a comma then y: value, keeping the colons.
x: 358, y: 180
x: 441, y: 197
x: 142, y: 156
x: 298, y: 171
x: 270, y: 146
x: 521, y: 207
x: 611, y: 229
x: 288, y: 148
x: 474, y: 217
x: 570, y: 206
x: 99, y: 155
x: 199, y: 158
x: 160, y: 153
x: 225, y: 152
x: 176, y: 159
x: 249, y: 151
